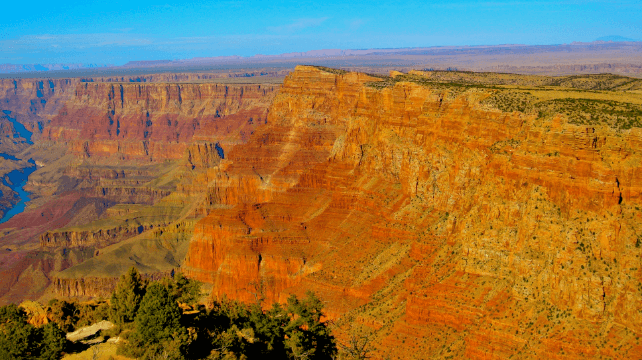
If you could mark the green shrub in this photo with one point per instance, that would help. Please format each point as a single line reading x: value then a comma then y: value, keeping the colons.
x: 21, y: 340
x: 53, y: 341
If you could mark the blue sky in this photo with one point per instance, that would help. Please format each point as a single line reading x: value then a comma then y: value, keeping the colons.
x: 118, y: 31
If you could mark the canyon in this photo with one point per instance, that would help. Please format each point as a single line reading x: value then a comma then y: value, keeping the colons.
x: 444, y: 214
x: 99, y: 183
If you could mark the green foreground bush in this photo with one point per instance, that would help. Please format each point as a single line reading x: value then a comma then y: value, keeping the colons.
x: 21, y: 340
x: 150, y: 319
x: 230, y: 330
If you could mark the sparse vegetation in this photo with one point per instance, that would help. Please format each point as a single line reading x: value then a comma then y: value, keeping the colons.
x: 579, y: 111
x: 330, y: 70
x: 511, y: 92
x: 594, y: 112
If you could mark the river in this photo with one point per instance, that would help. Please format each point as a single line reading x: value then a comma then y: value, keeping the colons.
x: 17, y: 179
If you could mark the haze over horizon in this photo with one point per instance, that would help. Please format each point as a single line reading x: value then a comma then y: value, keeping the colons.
x: 79, y: 32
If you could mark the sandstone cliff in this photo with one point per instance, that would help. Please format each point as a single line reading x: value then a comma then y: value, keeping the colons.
x: 446, y: 226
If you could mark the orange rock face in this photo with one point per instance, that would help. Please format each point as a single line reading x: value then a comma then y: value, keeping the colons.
x: 444, y: 226
x: 448, y: 228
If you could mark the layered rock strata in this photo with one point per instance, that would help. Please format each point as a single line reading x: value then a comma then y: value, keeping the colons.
x: 442, y: 225
x: 446, y: 227
x: 33, y: 102
x: 92, y: 287
x: 155, y: 121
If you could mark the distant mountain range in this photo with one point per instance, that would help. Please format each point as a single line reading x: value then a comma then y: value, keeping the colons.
x: 612, y: 43
x: 16, y: 68
x: 479, y: 57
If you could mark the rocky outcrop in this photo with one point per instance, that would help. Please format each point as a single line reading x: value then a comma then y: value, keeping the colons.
x: 91, y: 238
x: 132, y: 194
x: 85, y: 287
x: 104, y: 174
x: 95, y: 287
x: 449, y: 228
x: 205, y: 154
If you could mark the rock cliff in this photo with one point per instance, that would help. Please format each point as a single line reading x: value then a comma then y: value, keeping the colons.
x: 178, y: 130
x: 155, y: 121
x: 33, y: 102
x: 448, y: 227
x: 26, y: 105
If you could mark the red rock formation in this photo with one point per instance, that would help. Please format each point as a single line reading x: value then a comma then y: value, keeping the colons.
x: 156, y: 121
x: 94, y: 287
x: 448, y: 228
x: 33, y: 102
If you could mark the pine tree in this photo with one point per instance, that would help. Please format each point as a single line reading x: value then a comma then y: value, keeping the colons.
x: 127, y: 297
x: 158, y: 318
x: 18, y: 339
x: 308, y: 337
x: 63, y: 313
x: 53, y: 342
x: 183, y: 289
x: 186, y: 290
